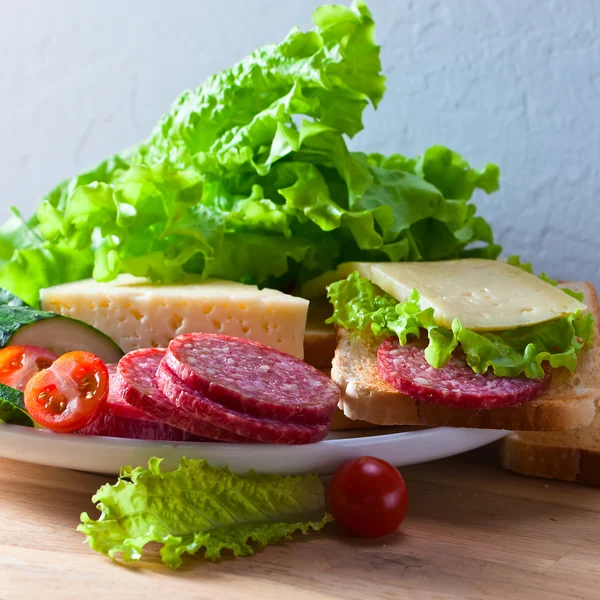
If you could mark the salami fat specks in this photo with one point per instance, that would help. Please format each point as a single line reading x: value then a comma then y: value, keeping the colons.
x: 115, y: 405
x: 230, y: 390
x: 119, y: 419
x: 455, y: 384
x: 253, y: 379
x: 137, y: 383
x: 236, y: 390
x: 205, y: 410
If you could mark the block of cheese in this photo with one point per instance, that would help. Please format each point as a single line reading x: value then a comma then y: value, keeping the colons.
x: 136, y: 314
x: 486, y: 295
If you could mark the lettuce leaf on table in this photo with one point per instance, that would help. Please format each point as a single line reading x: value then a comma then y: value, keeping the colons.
x: 249, y: 177
x: 199, y: 506
x: 359, y: 305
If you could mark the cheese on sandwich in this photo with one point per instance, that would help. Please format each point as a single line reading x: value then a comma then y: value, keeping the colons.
x: 485, y: 295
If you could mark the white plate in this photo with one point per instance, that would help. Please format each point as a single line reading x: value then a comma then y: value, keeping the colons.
x: 107, y: 455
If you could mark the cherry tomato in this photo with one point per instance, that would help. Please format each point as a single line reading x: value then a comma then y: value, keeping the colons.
x: 67, y: 396
x: 18, y: 364
x: 368, y: 497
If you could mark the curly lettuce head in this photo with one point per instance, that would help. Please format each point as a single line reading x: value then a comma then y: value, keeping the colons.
x: 249, y: 177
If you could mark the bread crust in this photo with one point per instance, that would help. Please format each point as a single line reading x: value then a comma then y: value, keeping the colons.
x: 541, y: 455
x: 320, y: 338
x: 340, y: 422
x: 570, y: 401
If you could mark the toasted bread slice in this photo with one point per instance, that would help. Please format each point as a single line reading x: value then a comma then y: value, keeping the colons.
x: 567, y: 455
x: 320, y: 339
x: 569, y: 402
x: 572, y: 455
x: 341, y: 422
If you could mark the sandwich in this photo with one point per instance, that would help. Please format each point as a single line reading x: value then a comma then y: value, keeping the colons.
x: 571, y: 455
x: 463, y: 343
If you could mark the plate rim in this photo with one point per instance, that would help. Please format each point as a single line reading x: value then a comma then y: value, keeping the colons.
x: 232, y: 448
x: 107, y: 456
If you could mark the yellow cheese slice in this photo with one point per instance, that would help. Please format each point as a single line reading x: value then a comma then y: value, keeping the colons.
x: 136, y: 314
x: 486, y: 295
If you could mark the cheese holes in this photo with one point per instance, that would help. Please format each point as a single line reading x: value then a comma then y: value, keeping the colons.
x: 175, y: 322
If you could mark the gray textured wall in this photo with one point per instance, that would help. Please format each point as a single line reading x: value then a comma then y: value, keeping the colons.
x: 511, y: 81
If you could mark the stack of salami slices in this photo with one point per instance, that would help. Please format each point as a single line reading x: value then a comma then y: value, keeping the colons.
x: 225, y: 389
x: 119, y: 419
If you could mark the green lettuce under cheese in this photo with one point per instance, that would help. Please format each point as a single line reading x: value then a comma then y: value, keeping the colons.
x: 515, y: 261
x: 359, y: 305
x: 249, y: 177
x: 198, y: 506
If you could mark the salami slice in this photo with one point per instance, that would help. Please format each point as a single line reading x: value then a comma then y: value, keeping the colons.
x: 115, y: 405
x: 108, y: 425
x: 455, y: 384
x: 136, y: 376
x: 253, y: 379
x: 120, y: 419
x: 260, y: 430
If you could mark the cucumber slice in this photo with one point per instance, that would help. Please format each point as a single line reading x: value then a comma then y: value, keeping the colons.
x: 12, y: 407
x: 24, y: 326
x: 8, y: 299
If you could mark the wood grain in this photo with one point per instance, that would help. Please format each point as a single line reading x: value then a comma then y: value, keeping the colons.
x: 473, y: 531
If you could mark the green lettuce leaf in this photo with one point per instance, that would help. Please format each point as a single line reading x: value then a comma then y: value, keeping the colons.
x: 198, y: 507
x: 515, y: 260
x: 453, y: 176
x: 29, y: 263
x: 240, y: 119
x: 249, y: 177
x: 358, y: 305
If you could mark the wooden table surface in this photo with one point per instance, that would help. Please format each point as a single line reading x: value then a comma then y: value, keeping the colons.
x: 473, y: 531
